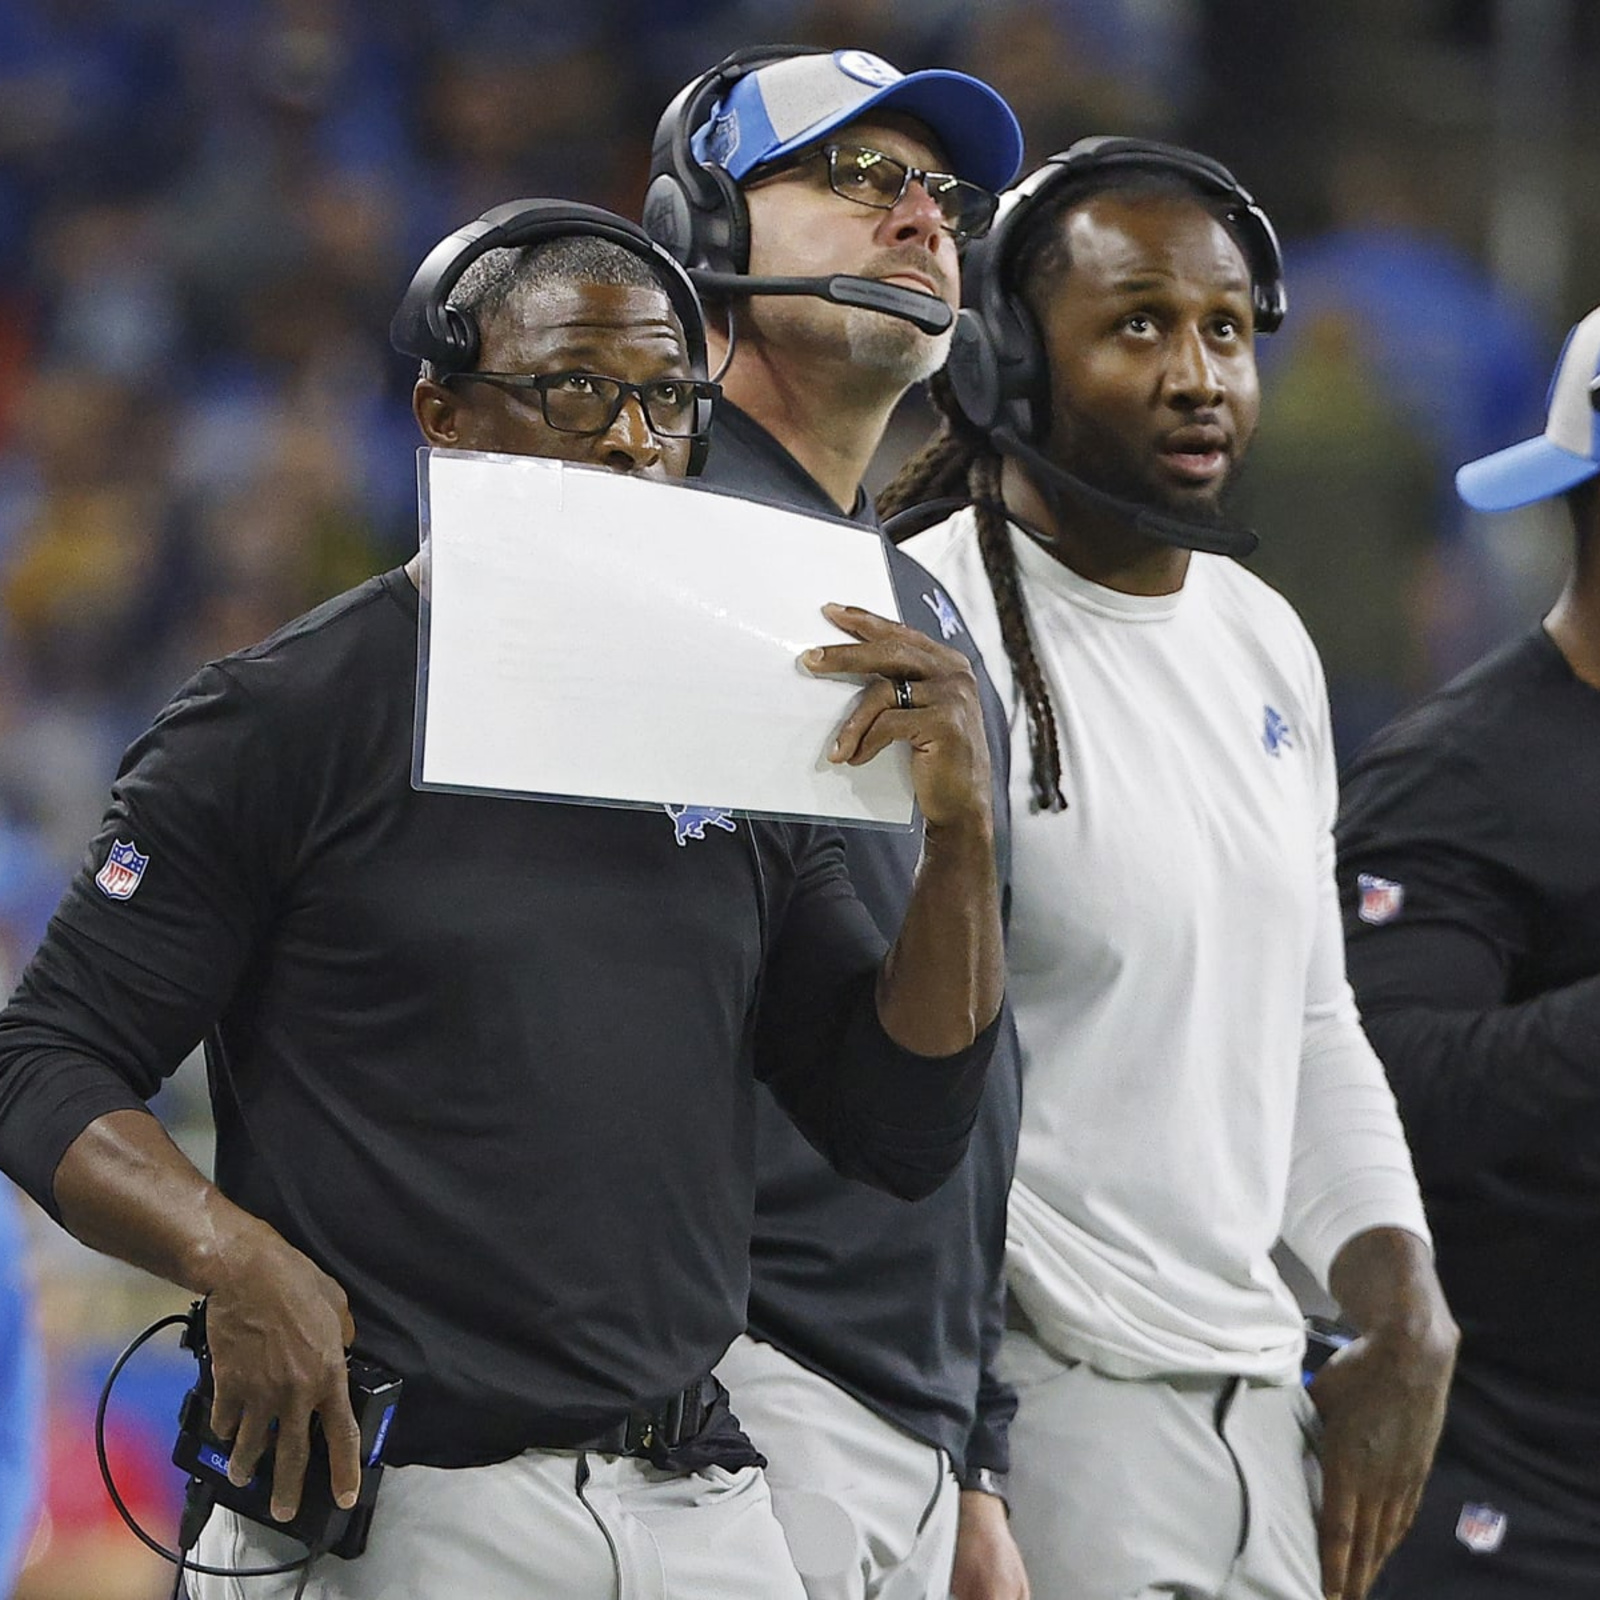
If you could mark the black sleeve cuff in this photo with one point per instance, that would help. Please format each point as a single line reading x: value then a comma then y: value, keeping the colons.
x: 910, y: 1116
x: 47, y: 1098
x: 985, y: 1480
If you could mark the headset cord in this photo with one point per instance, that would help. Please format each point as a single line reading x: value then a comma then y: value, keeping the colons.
x: 197, y: 1499
x: 180, y: 1588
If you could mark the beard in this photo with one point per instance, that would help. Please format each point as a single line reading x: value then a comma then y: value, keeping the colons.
x: 892, y: 346
x: 1103, y: 458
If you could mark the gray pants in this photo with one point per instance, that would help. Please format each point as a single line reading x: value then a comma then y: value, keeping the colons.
x: 869, y: 1511
x: 556, y: 1525
x: 1196, y: 1489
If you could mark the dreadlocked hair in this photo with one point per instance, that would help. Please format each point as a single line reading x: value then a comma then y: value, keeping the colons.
x: 938, y: 471
x: 959, y: 460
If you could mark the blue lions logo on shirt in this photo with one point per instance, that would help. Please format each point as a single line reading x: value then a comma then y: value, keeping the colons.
x: 721, y: 140
x: 1276, y: 734
x: 939, y: 604
x: 691, y: 822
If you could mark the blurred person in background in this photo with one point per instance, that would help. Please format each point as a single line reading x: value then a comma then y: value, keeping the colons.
x: 21, y: 1396
x: 1343, y: 477
x: 866, y: 1373
x: 1070, y: 66
x: 1469, y: 859
x: 1372, y: 398
x: 80, y: 1548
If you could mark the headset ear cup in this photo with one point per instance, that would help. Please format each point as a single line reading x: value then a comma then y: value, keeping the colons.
x: 1024, y: 373
x: 972, y: 371
x: 704, y: 414
x: 710, y: 229
x: 668, y: 217
x: 723, y: 244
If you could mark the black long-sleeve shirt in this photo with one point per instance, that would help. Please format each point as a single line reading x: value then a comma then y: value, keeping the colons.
x: 900, y: 1306
x: 1469, y: 863
x: 486, y: 1061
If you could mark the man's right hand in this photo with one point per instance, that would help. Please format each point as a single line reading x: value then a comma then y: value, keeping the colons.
x: 278, y: 1328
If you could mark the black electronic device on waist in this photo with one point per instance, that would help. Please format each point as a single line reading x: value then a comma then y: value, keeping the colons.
x: 1324, y: 1338
x: 319, y: 1523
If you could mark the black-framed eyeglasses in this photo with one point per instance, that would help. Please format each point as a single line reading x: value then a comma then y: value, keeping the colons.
x: 870, y: 178
x: 588, y: 402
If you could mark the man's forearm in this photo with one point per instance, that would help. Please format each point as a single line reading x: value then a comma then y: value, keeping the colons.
x: 942, y: 982
x: 278, y: 1327
x: 1384, y: 1280
x: 124, y: 1188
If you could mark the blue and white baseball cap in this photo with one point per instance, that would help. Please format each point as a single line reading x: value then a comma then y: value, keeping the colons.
x: 781, y: 108
x: 1567, y: 452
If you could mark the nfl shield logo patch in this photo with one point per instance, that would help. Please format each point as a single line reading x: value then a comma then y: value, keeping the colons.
x: 1381, y: 898
x: 1481, y: 1528
x: 122, y: 873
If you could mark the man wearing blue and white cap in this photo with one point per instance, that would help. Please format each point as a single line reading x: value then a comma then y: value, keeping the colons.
x: 819, y: 198
x: 1470, y: 865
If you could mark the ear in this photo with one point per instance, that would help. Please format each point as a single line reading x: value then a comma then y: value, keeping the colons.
x: 435, y: 407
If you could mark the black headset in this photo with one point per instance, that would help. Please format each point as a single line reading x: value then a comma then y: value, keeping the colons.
x: 997, y: 370
x: 428, y: 327
x: 695, y: 212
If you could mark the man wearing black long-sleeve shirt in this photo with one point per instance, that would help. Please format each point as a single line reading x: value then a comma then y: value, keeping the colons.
x: 481, y: 1068
x: 867, y: 1375
x: 1469, y: 859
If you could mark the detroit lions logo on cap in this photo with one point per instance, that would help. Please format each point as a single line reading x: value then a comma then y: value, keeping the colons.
x: 691, y: 822
x: 722, y: 140
x: 123, y: 871
x: 865, y: 67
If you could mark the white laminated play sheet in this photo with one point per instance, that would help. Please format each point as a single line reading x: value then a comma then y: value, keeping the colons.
x: 591, y: 636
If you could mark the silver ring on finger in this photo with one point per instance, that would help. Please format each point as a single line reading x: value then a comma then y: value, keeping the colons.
x: 902, y: 695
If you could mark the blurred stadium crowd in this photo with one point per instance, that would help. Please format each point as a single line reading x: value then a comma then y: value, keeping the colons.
x: 208, y: 211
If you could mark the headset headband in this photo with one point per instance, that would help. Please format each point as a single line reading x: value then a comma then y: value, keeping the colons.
x: 1108, y: 152
x: 428, y: 327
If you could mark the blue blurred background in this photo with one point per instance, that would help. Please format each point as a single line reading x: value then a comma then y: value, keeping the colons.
x: 208, y: 212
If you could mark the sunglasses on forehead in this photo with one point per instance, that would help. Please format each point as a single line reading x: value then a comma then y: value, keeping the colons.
x: 871, y: 178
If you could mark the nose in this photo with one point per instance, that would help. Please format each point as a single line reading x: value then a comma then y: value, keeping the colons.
x: 1193, y: 378
x: 915, y: 218
x: 630, y: 444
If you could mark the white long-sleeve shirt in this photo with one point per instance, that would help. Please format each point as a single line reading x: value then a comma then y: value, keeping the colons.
x: 1196, y: 1083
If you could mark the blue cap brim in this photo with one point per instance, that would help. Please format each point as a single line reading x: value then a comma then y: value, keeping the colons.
x: 1521, y: 474
x: 976, y: 130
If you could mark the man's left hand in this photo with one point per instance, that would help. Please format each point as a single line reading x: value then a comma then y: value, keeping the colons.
x: 988, y: 1563
x: 943, y: 724
x: 1382, y: 1400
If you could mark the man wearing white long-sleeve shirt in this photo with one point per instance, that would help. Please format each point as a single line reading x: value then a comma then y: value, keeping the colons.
x: 1196, y: 1084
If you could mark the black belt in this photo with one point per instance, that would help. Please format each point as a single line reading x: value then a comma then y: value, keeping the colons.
x: 649, y: 1430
